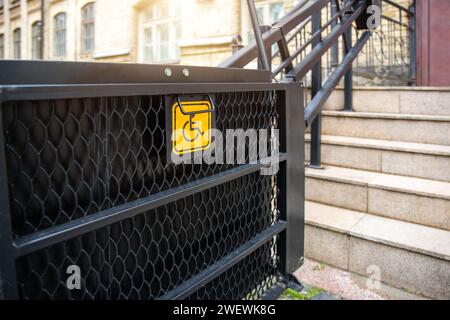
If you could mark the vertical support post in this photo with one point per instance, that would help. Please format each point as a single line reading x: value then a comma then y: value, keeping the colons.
x: 412, y: 43
x: 8, y: 279
x: 348, y: 79
x: 316, y: 85
x: 292, y: 179
x: 258, y: 35
x: 335, y: 47
x: 284, y: 53
x: 268, y: 50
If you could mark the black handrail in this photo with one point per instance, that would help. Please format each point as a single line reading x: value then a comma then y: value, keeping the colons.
x: 276, y: 33
x: 305, y: 66
x: 314, y: 107
x: 311, y: 39
x: 306, y: 58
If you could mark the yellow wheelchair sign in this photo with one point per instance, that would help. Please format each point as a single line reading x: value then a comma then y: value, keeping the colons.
x: 191, y: 126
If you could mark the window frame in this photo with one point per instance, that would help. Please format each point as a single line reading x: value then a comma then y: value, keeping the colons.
x: 2, y: 46
x: 157, y: 20
x: 263, y: 6
x: 59, y: 36
x: 36, y: 40
x: 17, y: 43
x: 87, y: 21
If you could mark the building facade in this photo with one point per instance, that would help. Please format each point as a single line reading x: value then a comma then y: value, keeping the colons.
x: 192, y: 32
x: 196, y: 32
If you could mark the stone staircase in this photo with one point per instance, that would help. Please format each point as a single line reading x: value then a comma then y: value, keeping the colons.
x: 383, y: 197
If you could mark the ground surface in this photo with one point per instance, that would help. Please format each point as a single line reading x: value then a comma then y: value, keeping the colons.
x: 323, y: 282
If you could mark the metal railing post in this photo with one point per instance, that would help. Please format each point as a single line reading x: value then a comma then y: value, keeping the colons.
x: 258, y: 36
x: 316, y: 84
x: 412, y: 43
x: 292, y: 180
x: 348, y: 79
x: 8, y: 284
x: 267, y: 50
x: 335, y: 48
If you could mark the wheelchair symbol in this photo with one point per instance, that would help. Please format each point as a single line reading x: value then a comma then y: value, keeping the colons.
x: 191, y: 125
x: 198, y: 133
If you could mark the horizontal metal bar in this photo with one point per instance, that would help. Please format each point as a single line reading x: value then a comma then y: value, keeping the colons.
x: 315, y: 55
x: 247, y: 54
x: 215, y: 270
x: 315, y: 106
x: 275, y: 292
x: 64, y: 72
x: 292, y: 21
x: 51, y: 236
x: 294, y: 34
x: 43, y: 92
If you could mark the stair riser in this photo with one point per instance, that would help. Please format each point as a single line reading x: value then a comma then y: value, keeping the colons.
x: 399, y: 102
x: 420, y: 131
x: 422, y: 210
x: 327, y: 246
x: 343, y: 195
x: 400, y: 268
x: 348, y: 157
x: 409, y: 164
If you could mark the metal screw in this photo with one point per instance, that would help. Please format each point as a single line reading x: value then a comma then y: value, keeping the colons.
x: 168, y: 72
x: 186, y: 72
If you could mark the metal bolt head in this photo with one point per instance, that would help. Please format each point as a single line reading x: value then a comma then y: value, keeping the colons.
x: 186, y: 72
x: 168, y: 72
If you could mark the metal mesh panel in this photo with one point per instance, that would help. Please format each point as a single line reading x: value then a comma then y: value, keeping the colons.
x: 67, y: 159
x: 145, y: 256
x: 70, y: 158
x: 238, y: 283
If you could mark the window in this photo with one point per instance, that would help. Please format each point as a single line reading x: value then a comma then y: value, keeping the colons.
x: 2, y: 46
x: 87, y: 28
x: 59, y: 37
x: 36, y: 40
x: 269, y: 12
x: 160, y: 31
x: 16, y: 43
x: 276, y: 12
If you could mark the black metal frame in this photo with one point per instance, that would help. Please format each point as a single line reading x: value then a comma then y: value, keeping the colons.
x: 20, y: 81
x: 82, y: 73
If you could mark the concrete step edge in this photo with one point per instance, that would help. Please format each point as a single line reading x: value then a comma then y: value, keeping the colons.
x: 385, y: 145
x: 376, y: 180
x: 385, y: 116
x: 424, y: 240
x: 398, y: 88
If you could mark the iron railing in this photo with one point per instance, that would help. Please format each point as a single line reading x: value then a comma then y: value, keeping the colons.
x: 310, y: 39
x: 86, y: 180
x: 389, y: 58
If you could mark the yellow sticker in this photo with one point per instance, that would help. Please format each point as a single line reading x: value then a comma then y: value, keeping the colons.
x: 191, y: 127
